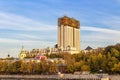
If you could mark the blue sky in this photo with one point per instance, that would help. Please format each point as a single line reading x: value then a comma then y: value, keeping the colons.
x: 33, y: 23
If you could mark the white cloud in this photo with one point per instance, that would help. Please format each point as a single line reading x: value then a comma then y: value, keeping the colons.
x: 27, y: 36
x: 102, y: 30
x: 13, y: 46
x: 25, y: 42
x: 17, y: 22
x: 111, y: 21
x: 99, y: 37
x: 99, y: 34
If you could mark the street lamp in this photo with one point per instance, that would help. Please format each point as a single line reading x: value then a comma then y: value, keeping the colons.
x: 101, y: 73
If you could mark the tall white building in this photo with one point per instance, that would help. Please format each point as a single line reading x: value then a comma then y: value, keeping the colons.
x: 68, y: 34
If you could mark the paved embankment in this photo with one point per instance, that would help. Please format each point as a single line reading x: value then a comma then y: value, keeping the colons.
x: 61, y: 76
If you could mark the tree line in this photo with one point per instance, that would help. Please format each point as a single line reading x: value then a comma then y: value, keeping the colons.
x: 31, y: 67
x: 107, y: 60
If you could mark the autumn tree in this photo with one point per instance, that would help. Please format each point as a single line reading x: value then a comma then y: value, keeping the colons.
x: 85, y: 68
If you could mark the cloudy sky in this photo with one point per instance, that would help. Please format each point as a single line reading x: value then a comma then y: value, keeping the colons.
x: 33, y: 23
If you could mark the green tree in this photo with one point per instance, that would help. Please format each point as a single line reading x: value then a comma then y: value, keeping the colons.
x: 116, y: 68
x: 77, y: 65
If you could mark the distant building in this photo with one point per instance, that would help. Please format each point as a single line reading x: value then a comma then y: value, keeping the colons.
x: 34, y: 53
x: 22, y: 53
x: 91, y: 50
x: 88, y: 48
x: 68, y: 34
x: 68, y: 39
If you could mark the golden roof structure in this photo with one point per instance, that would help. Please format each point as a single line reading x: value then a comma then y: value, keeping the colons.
x: 66, y: 21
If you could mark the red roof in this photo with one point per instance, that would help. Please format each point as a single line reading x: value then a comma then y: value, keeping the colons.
x: 41, y: 57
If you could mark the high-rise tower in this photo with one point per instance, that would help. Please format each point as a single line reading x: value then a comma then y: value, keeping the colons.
x: 68, y: 34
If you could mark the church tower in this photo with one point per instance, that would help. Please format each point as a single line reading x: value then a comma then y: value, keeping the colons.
x: 22, y: 53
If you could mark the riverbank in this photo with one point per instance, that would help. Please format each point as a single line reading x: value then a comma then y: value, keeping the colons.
x: 60, y: 76
x: 52, y: 77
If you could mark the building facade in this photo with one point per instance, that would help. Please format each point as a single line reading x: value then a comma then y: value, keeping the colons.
x: 34, y: 53
x: 68, y: 34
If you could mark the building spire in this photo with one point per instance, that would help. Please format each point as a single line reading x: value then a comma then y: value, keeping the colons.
x: 22, y: 48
